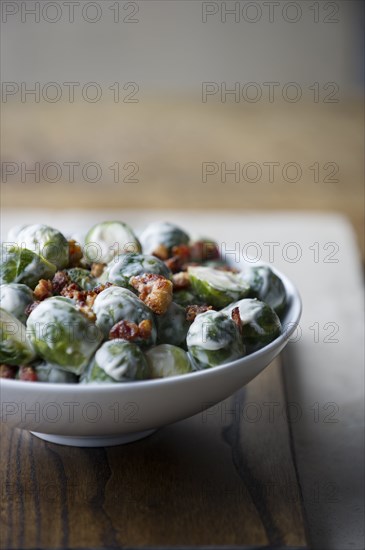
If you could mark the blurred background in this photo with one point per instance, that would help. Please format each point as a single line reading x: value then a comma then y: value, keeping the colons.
x: 184, y: 104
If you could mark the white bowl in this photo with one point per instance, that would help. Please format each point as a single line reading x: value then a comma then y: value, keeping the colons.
x: 111, y: 414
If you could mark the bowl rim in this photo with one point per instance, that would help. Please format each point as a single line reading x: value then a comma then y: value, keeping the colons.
x: 289, y: 323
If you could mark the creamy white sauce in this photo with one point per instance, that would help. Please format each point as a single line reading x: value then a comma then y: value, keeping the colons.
x: 198, y: 333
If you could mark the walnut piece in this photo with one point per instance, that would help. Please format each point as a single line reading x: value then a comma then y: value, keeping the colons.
x: 154, y: 290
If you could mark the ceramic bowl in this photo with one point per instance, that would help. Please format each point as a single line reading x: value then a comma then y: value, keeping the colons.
x: 111, y: 414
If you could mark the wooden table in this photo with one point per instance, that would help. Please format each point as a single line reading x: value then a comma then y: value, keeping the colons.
x: 219, y: 478
x: 226, y: 477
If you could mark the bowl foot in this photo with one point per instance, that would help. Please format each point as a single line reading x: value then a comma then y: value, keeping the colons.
x: 93, y: 441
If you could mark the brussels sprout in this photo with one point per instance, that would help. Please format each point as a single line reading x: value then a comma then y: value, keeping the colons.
x: 166, y: 360
x: 215, y: 287
x: 214, y: 339
x: 172, y: 326
x: 115, y: 304
x: 117, y: 361
x: 19, y: 265
x: 14, y: 298
x: 82, y: 277
x: 125, y: 266
x: 162, y: 234
x: 46, y: 372
x: 45, y: 241
x: 107, y: 239
x: 260, y: 323
x: 266, y: 286
x: 186, y: 297
x: 15, y: 348
x: 62, y: 335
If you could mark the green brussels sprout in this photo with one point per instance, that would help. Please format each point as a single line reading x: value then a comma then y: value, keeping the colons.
x: 125, y: 266
x: 162, y: 234
x: 62, y: 335
x: 117, y: 361
x: 108, y: 239
x: 266, y: 286
x: 172, y: 326
x: 82, y: 277
x: 20, y: 265
x: 215, y: 287
x: 116, y: 304
x: 46, y: 372
x: 166, y: 360
x: 260, y: 323
x: 14, y: 298
x: 15, y: 348
x: 46, y: 242
x: 214, y: 339
x: 186, y: 297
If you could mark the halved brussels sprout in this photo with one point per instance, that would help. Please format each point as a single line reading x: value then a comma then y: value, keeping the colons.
x: 46, y: 242
x: 116, y: 304
x: 14, y: 298
x: 172, y: 326
x: 266, y: 286
x: 164, y: 234
x: 82, y: 277
x: 260, y: 323
x: 62, y: 335
x: 46, y: 372
x: 125, y: 266
x: 215, y: 287
x: 15, y: 348
x: 117, y: 361
x: 20, y: 265
x: 214, y: 339
x: 108, y: 239
x: 166, y: 360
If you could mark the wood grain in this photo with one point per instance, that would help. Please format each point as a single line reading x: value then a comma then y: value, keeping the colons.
x: 224, y: 477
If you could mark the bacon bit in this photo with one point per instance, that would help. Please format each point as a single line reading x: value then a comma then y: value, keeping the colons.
x: 174, y: 264
x: 74, y: 292
x: 161, y: 252
x: 193, y: 311
x: 74, y: 253
x: 97, y: 269
x: 8, y: 371
x: 43, y: 290
x: 59, y: 281
x: 180, y: 280
x: 236, y: 317
x: 28, y: 374
x: 30, y: 307
x: 130, y: 331
x: 180, y: 255
x: 183, y: 251
x: 100, y: 288
x: 154, y: 290
x: 201, y: 251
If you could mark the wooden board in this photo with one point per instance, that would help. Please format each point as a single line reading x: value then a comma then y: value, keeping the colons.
x: 224, y: 477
